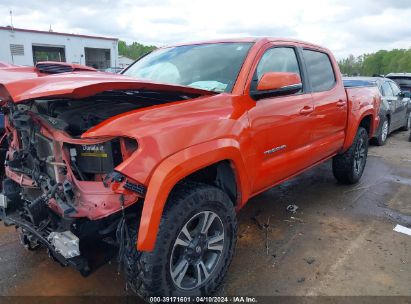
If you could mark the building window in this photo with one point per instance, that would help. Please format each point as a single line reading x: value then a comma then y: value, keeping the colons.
x: 48, y: 53
x: 98, y: 58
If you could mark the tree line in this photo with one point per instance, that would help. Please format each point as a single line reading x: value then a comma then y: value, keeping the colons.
x: 379, y: 63
x: 134, y: 50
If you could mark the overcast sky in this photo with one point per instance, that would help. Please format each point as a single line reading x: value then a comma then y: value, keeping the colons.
x: 344, y: 26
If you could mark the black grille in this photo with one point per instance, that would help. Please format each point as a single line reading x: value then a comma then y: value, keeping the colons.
x: 51, y: 68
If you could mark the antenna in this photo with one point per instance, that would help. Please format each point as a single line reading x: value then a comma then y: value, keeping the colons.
x: 11, y: 19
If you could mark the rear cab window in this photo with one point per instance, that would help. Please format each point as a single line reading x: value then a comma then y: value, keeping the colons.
x: 320, y: 70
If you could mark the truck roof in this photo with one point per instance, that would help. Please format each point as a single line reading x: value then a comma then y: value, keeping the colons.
x: 248, y: 39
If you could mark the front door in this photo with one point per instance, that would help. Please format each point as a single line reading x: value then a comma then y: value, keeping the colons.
x: 401, y: 104
x: 280, y: 126
x: 388, y: 95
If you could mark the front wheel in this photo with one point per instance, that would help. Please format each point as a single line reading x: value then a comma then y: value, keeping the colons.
x: 195, y: 245
x: 349, y: 166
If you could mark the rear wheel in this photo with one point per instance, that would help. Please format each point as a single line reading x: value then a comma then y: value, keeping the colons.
x: 195, y: 245
x: 349, y: 166
x: 381, y: 139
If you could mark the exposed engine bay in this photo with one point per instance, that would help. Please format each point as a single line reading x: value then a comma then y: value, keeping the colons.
x: 60, y: 192
x: 77, y: 116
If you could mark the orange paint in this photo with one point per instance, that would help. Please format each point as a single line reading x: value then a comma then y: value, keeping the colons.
x: 266, y: 141
x: 277, y: 80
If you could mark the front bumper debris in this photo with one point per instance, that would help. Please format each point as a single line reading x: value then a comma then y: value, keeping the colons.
x: 65, y: 243
x: 56, y: 250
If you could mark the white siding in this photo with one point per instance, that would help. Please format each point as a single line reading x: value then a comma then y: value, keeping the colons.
x: 74, y: 46
x: 124, y: 62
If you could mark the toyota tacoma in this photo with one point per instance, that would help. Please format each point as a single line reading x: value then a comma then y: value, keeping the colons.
x: 157, y: 161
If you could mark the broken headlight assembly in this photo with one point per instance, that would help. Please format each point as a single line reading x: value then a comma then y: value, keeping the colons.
x: 93, y: 161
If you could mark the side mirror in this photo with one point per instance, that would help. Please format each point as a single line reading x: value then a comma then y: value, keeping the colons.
x: 277, y: 83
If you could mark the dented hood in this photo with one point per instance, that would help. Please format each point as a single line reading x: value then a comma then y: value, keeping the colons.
x: 24, y: 83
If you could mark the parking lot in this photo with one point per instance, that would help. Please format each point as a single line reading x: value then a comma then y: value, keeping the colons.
x: 340, y: 240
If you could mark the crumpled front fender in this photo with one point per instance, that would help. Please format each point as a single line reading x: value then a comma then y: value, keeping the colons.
x: 175, y: 168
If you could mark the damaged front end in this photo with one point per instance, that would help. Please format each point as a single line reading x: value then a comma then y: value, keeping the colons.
x: 59, y: 189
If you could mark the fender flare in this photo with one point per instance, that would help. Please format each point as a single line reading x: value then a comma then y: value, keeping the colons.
x: 352, y: 128
x: 173, y: 169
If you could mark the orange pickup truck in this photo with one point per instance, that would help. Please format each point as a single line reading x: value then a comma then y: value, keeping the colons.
x: 158, y: 160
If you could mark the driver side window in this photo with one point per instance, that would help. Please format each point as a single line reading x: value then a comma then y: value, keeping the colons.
x: 279, y: 59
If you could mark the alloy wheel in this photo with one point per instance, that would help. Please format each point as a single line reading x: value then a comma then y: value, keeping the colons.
x: 359, y: 156
x: 197, y: 250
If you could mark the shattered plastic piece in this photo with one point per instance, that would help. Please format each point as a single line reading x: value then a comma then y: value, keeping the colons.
x: 403, y: 229
x: 292, y: 208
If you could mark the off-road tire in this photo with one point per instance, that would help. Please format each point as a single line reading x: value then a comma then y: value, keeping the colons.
x: 148, y: 273
x: 343, y: 164
x: 380, y: 140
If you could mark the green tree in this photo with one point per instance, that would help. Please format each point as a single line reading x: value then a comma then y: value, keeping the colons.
x: 351, y: 65
x: 134, y: 50
x: 379, y: 63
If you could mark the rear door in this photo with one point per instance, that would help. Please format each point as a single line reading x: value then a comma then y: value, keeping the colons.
x: 388, y: 95
x: 330, y: 104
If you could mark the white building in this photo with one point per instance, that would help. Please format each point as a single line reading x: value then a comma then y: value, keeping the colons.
x: 124, y: 61
x: 27, y: 47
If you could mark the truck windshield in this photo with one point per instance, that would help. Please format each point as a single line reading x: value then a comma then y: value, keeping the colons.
x: 212, y: 67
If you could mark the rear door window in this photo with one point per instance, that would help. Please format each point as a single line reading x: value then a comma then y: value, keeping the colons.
x: 320, y: 70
